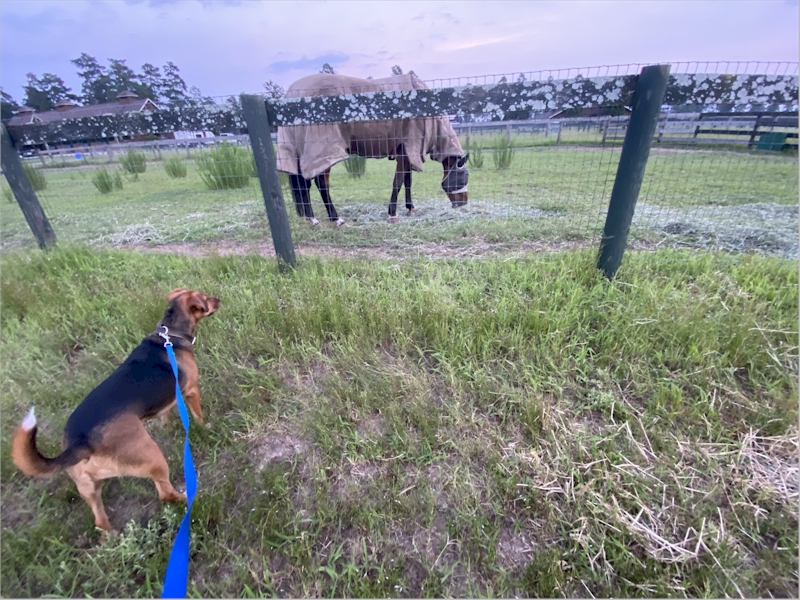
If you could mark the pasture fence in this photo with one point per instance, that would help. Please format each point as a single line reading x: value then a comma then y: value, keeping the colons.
x: 721, y: 173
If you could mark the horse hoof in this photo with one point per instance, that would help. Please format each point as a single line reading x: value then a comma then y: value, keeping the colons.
x: 458, y: 204
x: 394, y: 219
x: 312, y: 220
x: 412, y: 211
x: 339, y: 222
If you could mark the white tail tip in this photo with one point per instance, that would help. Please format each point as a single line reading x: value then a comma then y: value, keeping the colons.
x: 29, y: 422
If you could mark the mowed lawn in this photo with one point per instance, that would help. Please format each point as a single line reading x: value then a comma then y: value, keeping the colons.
x: 422, y: 428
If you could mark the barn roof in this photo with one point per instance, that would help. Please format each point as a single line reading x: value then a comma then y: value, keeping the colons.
x: 127, y: 102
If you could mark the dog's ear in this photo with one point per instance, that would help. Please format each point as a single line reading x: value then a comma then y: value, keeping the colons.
x: 175, y: 293
x: 197, y: 302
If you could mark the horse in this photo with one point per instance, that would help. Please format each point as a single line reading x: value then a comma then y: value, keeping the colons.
x: 307, y: 152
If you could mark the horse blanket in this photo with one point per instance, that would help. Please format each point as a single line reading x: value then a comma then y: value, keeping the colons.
x: 318, y: 147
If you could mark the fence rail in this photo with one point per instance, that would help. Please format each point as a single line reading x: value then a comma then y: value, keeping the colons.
x: 737, y: 130
x: 77, y: 152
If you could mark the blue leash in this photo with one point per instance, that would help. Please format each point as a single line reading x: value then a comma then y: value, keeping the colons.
x: 178, y: 566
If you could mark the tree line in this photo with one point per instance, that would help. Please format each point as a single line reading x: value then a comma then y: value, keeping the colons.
x: 101, y: 83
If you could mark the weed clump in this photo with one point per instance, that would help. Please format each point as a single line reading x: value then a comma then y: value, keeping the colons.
x: 503, y: 154
x: 226, y: 167
x: 107, y: 181
x: 355, y: 165
x: 475, y: 152
x: 175, y: 168
x: 36, y: 177
x: 134, y: 163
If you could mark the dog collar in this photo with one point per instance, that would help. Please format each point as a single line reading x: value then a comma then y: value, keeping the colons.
x: 167, y: 334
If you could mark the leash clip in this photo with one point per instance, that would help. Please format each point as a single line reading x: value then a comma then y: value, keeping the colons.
x: 165, y: 334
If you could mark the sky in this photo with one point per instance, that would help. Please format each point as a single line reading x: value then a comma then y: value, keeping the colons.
x: 229, y: 47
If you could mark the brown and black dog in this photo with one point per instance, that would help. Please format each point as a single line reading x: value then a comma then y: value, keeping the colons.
x: 105, y: 435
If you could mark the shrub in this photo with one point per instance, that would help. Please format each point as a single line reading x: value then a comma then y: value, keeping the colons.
x: 226, y: 167
x: 503, y: 154
x: 105, y: 181
x: 36, y: 177
x: 174, y: 167
x: 133, y: 162
x: 355, y: 165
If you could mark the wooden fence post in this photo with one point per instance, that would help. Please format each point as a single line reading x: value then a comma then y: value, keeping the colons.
x: 605, y: 130
x: 23, y: 192
x: 258, y: 128
x: 647, y: 100
x: 751, y: 142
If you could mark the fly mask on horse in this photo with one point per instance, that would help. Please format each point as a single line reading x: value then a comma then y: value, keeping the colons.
x: 455, y: 179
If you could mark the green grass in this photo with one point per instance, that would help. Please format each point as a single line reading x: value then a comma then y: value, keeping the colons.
x: 548, y: 193
x: 424, y: 428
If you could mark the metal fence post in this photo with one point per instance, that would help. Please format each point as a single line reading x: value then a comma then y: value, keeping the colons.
x: 255, y: 115
x: 647, y: 100
x: 23, y: 192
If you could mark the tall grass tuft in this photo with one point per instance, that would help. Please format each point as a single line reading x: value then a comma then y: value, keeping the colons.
x: 503, y: 154
x: 36, y: 177
x: 355, y: 165
x: 475, y: 155
x: 226, y: 167
x: 107, y: 181
x: 175, y: 168
x: 133, y: 163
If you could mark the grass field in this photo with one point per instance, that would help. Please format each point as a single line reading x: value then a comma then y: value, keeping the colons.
x: 388, y: 420
x: 735, y: 200
x: 424, y: 428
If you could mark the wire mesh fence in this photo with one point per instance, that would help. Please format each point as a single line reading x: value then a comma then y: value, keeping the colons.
x: 715, y: 178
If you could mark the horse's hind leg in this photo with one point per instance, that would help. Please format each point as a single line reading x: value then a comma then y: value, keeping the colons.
x: 401, y: 174
x: 302, y: 198
x: 323, y: 185
x: 407, y: 185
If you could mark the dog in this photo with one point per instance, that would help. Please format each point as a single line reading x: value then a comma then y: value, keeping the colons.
x: 105, y: 435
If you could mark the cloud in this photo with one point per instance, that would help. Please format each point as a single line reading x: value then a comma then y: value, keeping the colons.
x: 306, y: 64
x: 468, y: 44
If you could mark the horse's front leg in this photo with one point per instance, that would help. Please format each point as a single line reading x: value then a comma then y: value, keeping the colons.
x: 302, y: 199
x: 323, y: 185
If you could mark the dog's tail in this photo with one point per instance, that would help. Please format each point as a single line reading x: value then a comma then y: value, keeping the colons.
x: 30, y: 461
